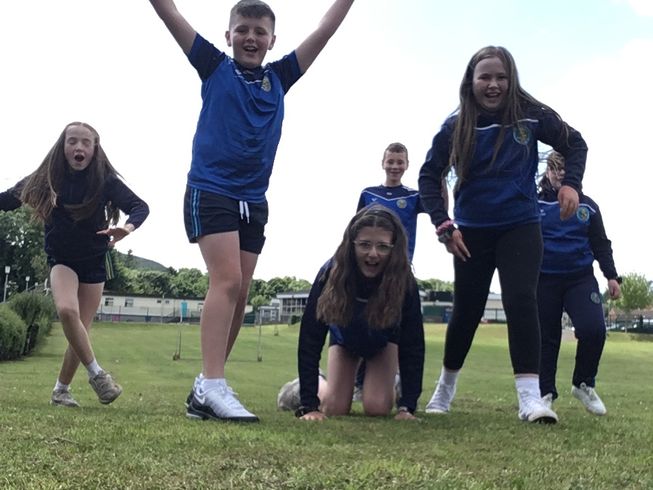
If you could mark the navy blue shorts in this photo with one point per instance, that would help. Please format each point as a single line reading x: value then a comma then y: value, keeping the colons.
x: 89, y: 271
x: 206, y: 213
x: 365, y: 346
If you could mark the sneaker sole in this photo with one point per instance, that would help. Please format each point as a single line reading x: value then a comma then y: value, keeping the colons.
x: 195, y: 414
x: 436, y: 411
x: 67, y: 405
x: 544, y: 420
x: 106, y: 401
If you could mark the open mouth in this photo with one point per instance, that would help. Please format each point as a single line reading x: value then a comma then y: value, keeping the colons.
x: 79, y: 158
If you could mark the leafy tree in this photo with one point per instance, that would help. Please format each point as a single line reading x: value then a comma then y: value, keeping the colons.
x: 434, y: 285
x: 190, y: 283
x: 636, y: 293
x: 21, y: 248
x: 256, y: 288
x: 152, y: 283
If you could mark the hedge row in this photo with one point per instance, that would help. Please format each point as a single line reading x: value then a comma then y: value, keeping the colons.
x: 24, y: 321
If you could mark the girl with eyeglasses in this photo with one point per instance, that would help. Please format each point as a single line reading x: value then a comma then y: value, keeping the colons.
x: 367, y: 299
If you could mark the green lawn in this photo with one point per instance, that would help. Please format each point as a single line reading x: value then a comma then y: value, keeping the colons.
x: 143, y: 440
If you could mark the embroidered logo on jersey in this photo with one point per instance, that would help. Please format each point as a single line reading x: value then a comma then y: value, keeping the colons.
x: 521, y: 134
x: 401, y: 203
x: 583, y: 214
x: 595, y: 298
x: 265, y: 84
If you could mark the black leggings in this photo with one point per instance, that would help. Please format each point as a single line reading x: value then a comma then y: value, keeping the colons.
x: 517, y: 254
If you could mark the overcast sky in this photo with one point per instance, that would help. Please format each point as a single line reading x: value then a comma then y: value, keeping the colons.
x: 391, y: 73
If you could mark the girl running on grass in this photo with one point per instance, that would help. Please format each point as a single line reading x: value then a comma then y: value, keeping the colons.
x: 78, y: 195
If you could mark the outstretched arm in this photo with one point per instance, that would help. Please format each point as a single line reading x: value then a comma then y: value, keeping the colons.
x: 315, y: 42
x: 180, y: 29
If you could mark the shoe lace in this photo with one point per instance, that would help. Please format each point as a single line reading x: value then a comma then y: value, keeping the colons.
x: 230, y: 398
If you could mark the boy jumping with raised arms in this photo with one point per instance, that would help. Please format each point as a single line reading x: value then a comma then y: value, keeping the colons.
x: 225, y: 209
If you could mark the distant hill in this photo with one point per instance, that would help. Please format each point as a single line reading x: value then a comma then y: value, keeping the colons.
x: 140, y: 263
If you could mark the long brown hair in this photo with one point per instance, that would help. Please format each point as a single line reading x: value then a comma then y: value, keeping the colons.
x: 43, y: 186
x: 517, y: 101
x: 383, y: 310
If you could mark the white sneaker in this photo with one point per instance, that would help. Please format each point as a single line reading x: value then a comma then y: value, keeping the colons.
x: 288, y: 397
x: 358, y: 394
x: 441, y: 400
x: 218, y: 404
x: 589, y: 398
x: 532, y: 408
x: 548, y: 400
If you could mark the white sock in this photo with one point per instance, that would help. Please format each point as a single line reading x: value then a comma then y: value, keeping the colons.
x: 59, y: 386
x: 448, y: 377
x: 93, y: 369
x: 528, y: 384
x: 206, y: 384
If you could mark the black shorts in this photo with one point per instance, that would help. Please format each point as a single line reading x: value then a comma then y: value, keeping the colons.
x: 206, y: 213
x: 89, y: 271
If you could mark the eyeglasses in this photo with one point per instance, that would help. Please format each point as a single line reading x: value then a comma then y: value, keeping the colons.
x: 366, y: 246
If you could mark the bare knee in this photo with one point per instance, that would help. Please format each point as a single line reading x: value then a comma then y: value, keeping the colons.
x: 67, y: 313
x: 333, y: 407
x: 377, y: 406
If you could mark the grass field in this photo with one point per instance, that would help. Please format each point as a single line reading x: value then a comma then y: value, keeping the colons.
x: 143, y: 440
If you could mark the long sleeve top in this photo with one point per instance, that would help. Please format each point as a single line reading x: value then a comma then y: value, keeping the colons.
x: 572, y: 245
x: 408, y: 334
x: 502, y: 192
x: 67, y: 239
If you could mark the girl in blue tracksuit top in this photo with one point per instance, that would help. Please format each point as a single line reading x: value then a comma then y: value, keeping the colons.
x: 491, y: 143
x: 78, y: 195
x: 567, y: 283
x: 367, y: 299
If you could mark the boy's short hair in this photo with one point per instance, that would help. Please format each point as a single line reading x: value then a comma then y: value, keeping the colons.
x: 396, y: 148
x: 255, y: 9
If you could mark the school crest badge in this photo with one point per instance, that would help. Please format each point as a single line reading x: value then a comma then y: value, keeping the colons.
x: 583, y: 214
x: 521, y: 134
x: 265, y: 84
x: 595, y: 298
x: 401, y: 203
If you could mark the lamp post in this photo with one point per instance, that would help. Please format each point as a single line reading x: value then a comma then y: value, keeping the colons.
x: 26, y: 283
x: 7, y: 271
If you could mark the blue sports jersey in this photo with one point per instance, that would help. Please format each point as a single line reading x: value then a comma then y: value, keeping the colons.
x: 572, y: 245
x: 499, y: 190
x: 239, y: 126
x: 404, y: 201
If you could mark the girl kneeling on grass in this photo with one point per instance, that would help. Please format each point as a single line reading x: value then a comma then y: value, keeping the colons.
x: 367, y: 298
x: 78, y: 195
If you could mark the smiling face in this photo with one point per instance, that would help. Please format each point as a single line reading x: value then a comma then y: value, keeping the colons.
x: 251, y: 38
x: 373, y: 247
x: 394, y: 164
x: 79, y: 147
x: 490, y: 84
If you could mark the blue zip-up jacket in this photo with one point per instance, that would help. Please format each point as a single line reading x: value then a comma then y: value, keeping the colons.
x: 572, y: 245
x: 503, y: 192
x: 402, y: 200
x: 66, y: 239
x: 408, y: 335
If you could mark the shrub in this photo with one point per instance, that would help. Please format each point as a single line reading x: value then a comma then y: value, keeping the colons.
x: 12, y: 334
x: 37, y: 312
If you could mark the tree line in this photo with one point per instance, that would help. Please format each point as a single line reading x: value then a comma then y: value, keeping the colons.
x: 22, y: 251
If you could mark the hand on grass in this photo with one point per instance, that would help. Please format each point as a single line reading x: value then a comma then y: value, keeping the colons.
x: 316, y: 415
